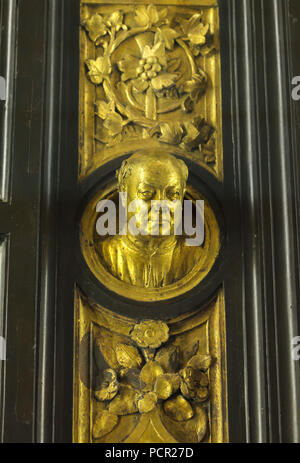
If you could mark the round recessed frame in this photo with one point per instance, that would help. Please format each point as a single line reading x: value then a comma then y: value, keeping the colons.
x: 89, y: 249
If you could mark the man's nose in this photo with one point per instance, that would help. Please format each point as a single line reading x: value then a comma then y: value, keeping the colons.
x: 159, y: 195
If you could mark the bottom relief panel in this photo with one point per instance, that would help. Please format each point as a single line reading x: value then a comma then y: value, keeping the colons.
x: 151, y: 381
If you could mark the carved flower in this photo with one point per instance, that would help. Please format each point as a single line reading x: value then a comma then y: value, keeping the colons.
x: 145, y: 383
x: 98, y: 69
x: 147, y: 70
x: 150, y: 333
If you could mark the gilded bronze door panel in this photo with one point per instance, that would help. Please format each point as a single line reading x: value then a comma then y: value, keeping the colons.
x: 114, y: 338
x: 152, y: 369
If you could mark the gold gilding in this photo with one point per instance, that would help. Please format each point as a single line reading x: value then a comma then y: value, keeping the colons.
x: 150, y: 78
x: 165, y: 265
x: 149, y: 89
x: 178, y: 394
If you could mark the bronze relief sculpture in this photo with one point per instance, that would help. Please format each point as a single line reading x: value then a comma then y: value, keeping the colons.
x: 146, y: 265
x: 150, y: 91
x: 148, y: 260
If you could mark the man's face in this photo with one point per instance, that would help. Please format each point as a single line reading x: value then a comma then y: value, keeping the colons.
x: 154, y: 182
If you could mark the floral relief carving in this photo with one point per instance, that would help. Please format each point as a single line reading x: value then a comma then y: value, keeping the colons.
x: 149, y: 373
x: 149, y: 78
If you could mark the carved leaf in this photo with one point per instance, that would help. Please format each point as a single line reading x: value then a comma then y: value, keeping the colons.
x: 141, y: 17
x: 167, y: 36
x: 105, y: 422
x: 166, y: 385
x: 190, y: 351
x: 200, y: 362
x: 128, y: 356
x: 103, y: 109
x: 98, y: 69
x: 163, y: 81
x: 192, y: 22
x: 194, y: 384
x: 106, y: 342
x: 198, y: 132
x: 210, y: 158
x: 125, y: 402
x: 114, y: 140
x: 174, y: 64
x: 193, y: 138
x: 206, y: 132
x: 147, y: 16
x: 109, y: 386
x: 96, y: 27
x: 195, y: 87
x: 116, y: 20
x: 197, y: 35
x: 114, y: 124
x: 168, y: 358
x: 171, y: 133
x: 140, y: 85
x: 128, y: 66
x: 195, y: 29
x: 131, y: 377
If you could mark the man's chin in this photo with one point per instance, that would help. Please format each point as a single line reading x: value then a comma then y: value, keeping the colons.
x: 160, y: 228
x: 158, y: 233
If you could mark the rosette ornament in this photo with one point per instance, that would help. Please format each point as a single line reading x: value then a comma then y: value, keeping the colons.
x: 148, y: 69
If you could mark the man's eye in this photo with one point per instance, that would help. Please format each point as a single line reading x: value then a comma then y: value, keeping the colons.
x: 146, y: 194
x: 174, y: 194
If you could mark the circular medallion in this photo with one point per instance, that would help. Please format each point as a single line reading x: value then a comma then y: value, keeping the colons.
x: 188, y: 265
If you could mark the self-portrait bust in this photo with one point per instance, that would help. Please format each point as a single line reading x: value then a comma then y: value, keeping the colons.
x: 144, y: 259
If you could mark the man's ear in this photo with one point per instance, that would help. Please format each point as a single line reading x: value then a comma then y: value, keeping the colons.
x: 123, y: 188
x: 123, y: 195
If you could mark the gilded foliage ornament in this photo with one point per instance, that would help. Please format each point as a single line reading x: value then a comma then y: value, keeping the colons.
x: 150, y: 76
x: 143, y: 383
x: 152, y: 80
